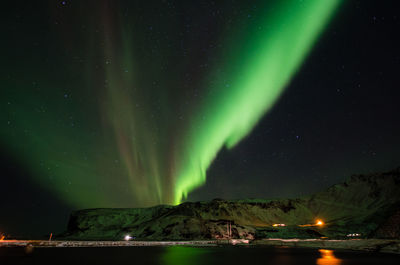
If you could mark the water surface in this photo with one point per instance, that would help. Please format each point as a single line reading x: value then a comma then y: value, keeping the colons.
x: 185, y: 255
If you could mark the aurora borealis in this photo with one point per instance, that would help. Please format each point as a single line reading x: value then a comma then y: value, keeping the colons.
x: 252, y: 85
x: 157, y: 162
x: 139, y: 103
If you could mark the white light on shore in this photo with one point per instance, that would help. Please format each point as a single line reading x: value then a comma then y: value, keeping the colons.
x: 354, y: 235
x: 127, y: 237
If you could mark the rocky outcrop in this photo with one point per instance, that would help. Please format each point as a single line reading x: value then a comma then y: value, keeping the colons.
x: 365, y: 205
x: 391, y: 227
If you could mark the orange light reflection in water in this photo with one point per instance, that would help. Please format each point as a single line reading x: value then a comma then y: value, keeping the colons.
x: 328, y: 258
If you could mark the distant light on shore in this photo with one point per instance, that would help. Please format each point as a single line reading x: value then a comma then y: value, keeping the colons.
x: 353, y: 235
x: 275, y: 225
x: 318, y: 222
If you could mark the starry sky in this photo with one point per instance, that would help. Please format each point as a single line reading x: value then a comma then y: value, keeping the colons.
x: 137, y: 103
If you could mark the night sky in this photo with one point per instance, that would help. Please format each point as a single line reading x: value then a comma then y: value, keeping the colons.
x: 139, y: 103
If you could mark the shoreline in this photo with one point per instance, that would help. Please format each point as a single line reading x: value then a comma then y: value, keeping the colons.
x: 367, y: 245
x: 76, y: 243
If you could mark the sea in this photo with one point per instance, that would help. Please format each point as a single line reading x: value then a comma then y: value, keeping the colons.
x: 190, y: 255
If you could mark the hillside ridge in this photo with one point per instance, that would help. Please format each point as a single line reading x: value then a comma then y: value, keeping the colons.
x: 367, y: 205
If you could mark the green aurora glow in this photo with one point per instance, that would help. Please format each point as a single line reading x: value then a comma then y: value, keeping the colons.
x: 119, y: 144
x: 268, y: 62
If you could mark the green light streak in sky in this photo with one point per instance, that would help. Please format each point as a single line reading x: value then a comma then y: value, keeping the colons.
x: 134, y: 132
x: 121, y: 128
x: 240, y: 98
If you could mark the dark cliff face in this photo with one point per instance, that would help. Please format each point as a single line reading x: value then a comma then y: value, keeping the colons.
x: 365, y: 204
x: 390, y: 228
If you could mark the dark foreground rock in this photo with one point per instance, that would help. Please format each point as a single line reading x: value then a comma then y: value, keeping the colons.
x: 368, y: 205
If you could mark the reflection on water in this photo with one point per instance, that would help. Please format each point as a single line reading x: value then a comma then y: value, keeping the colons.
x: 181, y: 255
x: 186, y: 255
x: 328, y: 258
x: 191, y: 255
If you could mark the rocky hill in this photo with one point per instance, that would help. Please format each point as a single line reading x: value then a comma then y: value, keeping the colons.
x: 365, y: 204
